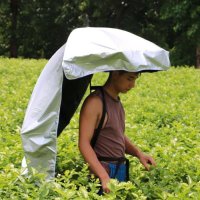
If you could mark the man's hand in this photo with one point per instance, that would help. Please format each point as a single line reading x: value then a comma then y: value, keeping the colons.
x: 135, y: 151
x: 104, y: 184
x: 146, y: 160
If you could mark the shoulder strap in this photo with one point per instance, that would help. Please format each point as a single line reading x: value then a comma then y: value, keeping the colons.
x: 97, y: 131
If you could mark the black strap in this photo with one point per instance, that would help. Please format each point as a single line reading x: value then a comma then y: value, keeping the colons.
x: 127, y: 169
x: 97, y: 131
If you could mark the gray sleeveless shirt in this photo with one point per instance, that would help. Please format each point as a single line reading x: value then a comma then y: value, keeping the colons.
x: 111, y: 141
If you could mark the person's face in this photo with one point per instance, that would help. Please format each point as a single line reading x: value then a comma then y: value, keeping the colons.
x: 124, y: 81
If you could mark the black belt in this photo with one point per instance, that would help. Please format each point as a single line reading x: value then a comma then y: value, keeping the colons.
x: 119, y: 161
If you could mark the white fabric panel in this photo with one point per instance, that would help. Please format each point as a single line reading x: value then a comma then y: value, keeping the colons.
x: 39, y: 130
x: 90, y: 50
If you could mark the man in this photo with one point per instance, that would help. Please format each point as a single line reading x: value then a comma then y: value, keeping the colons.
x: 105, y: 158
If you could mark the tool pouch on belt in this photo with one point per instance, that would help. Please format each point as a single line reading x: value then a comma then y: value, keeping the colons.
x: 118, y: 167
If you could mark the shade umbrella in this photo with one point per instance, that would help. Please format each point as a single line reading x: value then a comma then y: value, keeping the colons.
x: 91, y: 50
x: 65, y: 78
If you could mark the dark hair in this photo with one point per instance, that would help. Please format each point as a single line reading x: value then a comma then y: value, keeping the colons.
x: 122, y: 72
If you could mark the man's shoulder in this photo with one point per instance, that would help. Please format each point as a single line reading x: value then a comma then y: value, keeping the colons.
x: 93, y: 99
x: 93, y: 102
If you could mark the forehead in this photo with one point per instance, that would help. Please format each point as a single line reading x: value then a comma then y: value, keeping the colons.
x: 131, y: 74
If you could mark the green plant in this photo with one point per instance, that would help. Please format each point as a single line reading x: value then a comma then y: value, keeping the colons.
x: 162, y: 119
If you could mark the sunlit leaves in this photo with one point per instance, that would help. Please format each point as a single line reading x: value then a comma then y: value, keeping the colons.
x: 162, y: 119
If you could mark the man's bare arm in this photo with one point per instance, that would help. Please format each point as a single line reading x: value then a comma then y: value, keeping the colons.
x: 131, y: 149
x: 89, y: 117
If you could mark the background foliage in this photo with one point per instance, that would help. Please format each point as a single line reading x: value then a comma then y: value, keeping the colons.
x: 162, y: 119
x: 37, y: 28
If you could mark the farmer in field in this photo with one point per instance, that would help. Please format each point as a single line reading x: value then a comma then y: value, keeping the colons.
x: 102, y: 141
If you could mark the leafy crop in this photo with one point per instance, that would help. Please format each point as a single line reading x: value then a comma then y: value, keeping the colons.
x: 162, y: 118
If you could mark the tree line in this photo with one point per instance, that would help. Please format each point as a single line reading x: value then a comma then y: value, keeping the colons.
x: 37, y: 28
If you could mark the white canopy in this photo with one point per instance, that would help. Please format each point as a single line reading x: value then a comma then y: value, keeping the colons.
x: 90, y: 50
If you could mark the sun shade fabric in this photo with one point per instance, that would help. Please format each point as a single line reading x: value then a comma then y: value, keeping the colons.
x: 51, y: 107
x: 90, y: 50
x: 39, y: 129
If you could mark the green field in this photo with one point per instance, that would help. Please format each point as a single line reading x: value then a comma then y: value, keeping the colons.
x: 163, y: 119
